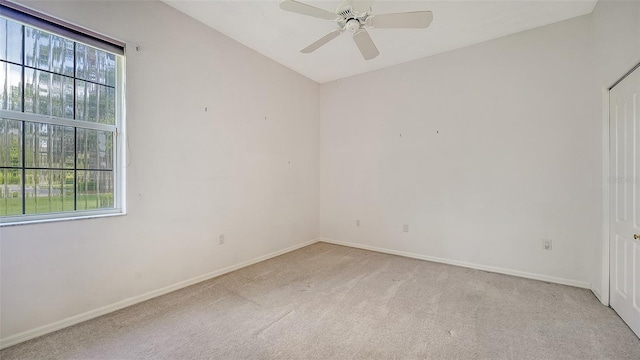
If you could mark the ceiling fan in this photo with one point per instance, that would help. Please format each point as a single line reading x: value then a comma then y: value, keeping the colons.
x: 355, y: 16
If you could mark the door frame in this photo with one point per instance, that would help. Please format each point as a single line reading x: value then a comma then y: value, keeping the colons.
x: 604, y: 296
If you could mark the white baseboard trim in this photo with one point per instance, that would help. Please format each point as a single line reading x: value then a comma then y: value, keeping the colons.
x: 494, y: 269
x: 45, y: 329
x: 596, y: 292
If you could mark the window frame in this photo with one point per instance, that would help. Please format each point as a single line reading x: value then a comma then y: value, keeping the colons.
x: 118, y: 128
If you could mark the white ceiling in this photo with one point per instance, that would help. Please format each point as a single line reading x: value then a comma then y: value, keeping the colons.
x: 280, y: 35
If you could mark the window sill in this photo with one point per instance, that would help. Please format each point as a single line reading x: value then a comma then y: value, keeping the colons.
x: 47, y: 218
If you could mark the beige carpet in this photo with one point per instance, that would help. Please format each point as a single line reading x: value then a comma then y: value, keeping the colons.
x: 331, y: 302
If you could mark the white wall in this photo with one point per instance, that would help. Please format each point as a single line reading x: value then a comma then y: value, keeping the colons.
x: 616, y: 31
x: 483, y: 151
x: 248, y: 168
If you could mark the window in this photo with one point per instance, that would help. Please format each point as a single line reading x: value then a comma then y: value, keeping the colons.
x: 60, y: 121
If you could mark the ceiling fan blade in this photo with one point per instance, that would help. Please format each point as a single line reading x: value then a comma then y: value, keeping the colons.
x: 323, y: 40
x: 361, y: 6
x: 408, y: 20
x: 367, y: 48
x: 304, y: 9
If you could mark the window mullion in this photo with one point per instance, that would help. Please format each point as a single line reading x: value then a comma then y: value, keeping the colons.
x: 53, y: 120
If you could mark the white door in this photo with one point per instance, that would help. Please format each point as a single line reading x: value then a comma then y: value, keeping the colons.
x: 624, y: 126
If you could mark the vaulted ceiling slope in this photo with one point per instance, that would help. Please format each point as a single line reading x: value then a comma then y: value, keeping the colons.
x: 280, y: 35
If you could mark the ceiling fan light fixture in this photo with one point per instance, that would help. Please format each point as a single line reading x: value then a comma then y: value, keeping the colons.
x: 352, y: 25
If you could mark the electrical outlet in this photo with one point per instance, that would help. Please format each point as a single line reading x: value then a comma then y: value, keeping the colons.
x: 221, y: 239
x: 547, y: 244
x: 358, y: 222
x: 405, y: 228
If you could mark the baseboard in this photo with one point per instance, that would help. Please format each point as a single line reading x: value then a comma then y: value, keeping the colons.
x: 494, y: 269
x: 596, y: 292
x: 45, y: 329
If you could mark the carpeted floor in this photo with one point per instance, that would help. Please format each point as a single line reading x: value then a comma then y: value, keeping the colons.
x: 332, y: 302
